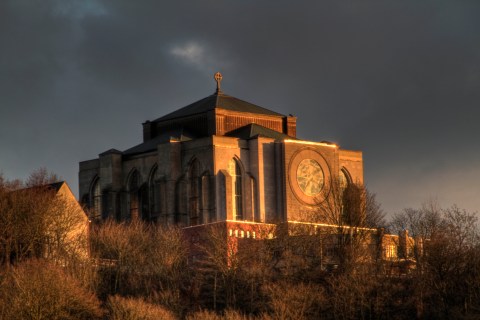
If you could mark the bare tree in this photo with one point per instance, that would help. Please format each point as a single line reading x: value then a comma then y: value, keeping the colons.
x: 219, y: 267
x: 349, y: 205
x: 421, y: 224
x: 41, y: 177
x: 40, y: 222
x: 452, y: 265
x: 23, y: 218
x: 140, y: 259
x: 353, y: 214
x: 446, y: 280
x: 290, y: 300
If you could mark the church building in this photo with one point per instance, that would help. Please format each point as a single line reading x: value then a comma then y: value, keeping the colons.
x: 219, y: 159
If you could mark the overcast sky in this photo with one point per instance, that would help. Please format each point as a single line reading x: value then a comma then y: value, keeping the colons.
x: 399, y: 80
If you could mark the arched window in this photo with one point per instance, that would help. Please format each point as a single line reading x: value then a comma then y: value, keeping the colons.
x: 96, y: 200
x: 237, y: 188
x: 351, y: 200
x: 194, y: 194
x: 344, y: 179
x: 181, y: 200
x: 154, y: 195
x: 133, y: 192
x: 207, y: 197
x: 144, y: 201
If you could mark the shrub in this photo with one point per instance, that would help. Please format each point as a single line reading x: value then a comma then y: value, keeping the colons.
x: 40, y: 290
x: 121, y: 308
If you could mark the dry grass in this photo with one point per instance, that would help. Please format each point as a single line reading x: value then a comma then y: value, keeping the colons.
x: 40, y: 290
x: 121, y: 308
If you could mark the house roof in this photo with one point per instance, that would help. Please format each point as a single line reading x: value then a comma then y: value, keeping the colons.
x: 218, y: 100
x: 56, y: 185
x: 253, y: 130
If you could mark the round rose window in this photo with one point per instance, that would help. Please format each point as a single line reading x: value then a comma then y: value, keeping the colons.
x: 310, y: 177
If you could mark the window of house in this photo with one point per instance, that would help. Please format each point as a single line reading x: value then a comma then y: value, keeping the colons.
x: 390, y: 251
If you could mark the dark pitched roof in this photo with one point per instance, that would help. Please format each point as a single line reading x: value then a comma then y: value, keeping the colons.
x: 111, y: 151
x: 253, y: 130
x: 218, y: 100
x: 179, y: 134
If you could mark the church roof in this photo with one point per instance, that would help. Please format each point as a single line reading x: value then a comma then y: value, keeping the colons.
x: 247, y: 132
x: 218, y: 100
x: 254, y: 130
x: 111, y: 151
x: 178, y: 134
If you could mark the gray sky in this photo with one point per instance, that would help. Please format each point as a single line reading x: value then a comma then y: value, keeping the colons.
x: 399, y: 80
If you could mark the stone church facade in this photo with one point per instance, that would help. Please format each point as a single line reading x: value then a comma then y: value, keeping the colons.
x: 218, y: 159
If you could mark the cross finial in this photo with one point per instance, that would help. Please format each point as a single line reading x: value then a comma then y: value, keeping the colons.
x: 218, y: 79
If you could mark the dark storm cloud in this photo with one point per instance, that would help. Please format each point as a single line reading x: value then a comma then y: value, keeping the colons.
x: 399, y: 80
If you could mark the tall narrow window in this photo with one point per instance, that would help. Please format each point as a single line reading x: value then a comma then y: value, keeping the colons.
x: 352, y: 199
x: 133, y: 189
x: 343, y: 185
x: 236, y: 173
x: 181, y: 201
x: 96, y: 200
x: 207, y: 196
x: 194, y: 194
x: 144, y: 201
x: 154, y: 195
x: 344, y: 179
